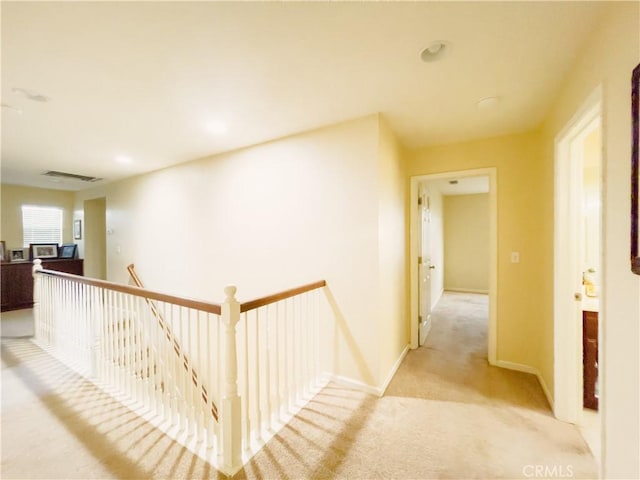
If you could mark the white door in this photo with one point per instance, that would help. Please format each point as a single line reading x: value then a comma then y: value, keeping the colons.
x: 569, y: 262
x: 424, y: 269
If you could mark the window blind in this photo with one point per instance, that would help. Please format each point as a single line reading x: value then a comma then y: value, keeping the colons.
x: 41, y: 225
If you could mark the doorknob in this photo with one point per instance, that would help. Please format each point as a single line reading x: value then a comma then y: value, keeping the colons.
x: 432, y: 267
x: 577, y: 296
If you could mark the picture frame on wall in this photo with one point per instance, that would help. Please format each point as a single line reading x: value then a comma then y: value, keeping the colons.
x: 43, y: 250
x: 77, y: 229
x: 68, y: 250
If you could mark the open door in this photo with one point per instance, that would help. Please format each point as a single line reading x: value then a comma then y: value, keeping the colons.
x: 577, y: 261
x: 424, y: 268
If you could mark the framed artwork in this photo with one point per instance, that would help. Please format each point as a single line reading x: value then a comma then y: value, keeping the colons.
x: 77, y: 229
x: 3, y: 251
x: 43, y: 250
x: 68, y: 250
x: 635, y: 169
x: 16, y: 254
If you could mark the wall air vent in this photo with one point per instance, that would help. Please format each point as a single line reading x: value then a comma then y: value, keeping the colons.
x: 71, y: 176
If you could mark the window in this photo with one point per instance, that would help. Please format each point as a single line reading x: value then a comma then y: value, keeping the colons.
x: 41, y: 225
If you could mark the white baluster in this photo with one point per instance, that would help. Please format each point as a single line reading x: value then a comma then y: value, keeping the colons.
x: 278, y: 390
x: 211, y: 366
x: 256, y: 377
x: 246, y: 392
x: 199, y: 410
x: 37, y: 266
x: 267, y: 369
x: 230, y: 451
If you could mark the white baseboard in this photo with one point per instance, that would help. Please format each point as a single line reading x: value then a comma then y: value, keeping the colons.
x: 528, y: 369
x: 520, y: 367
x: 438, y: 297
x: 545, y: 389
x: 356, y: 384
x: 366, y: 388
x: 393, y: 370
x: 466, y: 290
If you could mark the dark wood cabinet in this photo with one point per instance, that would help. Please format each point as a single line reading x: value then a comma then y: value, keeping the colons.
x: 17, y: 282
x: 590, y: 359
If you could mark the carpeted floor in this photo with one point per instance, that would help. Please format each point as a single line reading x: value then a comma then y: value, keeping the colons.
x: 446, y: 414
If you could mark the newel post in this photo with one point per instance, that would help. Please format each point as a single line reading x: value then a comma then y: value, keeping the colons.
x: 37, y: 266
x: 230, y: 442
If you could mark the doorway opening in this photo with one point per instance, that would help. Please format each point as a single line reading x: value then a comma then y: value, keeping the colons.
x: 95, y: 238
x: 427, y: 247
x: 577, y: 278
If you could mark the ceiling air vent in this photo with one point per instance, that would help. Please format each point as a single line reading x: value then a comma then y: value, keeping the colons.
x: 71, y: 176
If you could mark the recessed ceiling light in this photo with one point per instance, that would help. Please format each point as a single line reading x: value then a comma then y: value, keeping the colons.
x: 123, y: 159
x: 435, y: 51
x: 487, y: 102
x: 217, y: 128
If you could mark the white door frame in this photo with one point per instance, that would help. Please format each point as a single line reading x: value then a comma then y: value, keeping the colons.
x: 567, y: 401
x: 493, y: 251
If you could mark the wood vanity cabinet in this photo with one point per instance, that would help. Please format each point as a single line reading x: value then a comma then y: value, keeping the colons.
x: 17, y: 282
x: 590, y: 358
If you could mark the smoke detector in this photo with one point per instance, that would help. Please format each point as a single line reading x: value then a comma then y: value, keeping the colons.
x: 434, y: 52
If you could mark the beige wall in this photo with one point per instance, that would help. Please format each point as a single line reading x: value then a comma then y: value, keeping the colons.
x: 394, y: 333
x: 326, y: 204
x: 466, y: 243
x: 591, y: 195
x: 525, y: 196
x: 607, y: 60
x: 14, y: 196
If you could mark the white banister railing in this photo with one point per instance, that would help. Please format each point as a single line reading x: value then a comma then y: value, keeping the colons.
x: 177, y: 361
x: 279, y: 351
x: 133, y: 342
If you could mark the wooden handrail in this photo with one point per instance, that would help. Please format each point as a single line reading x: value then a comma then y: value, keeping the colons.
x: 176, y: 346
x: 261, y: 302
x: 139, y: 292
x: 182, y: 301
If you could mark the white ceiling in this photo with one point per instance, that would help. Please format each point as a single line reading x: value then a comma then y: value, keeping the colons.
x: 144, y: 79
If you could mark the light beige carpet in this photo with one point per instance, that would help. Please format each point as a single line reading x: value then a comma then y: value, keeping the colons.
x: 446, y: 414
x: 17, y: 324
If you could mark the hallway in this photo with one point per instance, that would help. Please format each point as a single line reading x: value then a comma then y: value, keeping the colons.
x: 446, y: 414
x: 452, y: 366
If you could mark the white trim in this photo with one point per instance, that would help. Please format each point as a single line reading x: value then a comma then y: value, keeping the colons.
x: 434, y: 303
x: 366, y: 388
x: 491, y: 172
x: 356, y: 384
x: 567, y: 328
x: 520, y: 367
x: 545, y: 389
x: 467, y: 290
x: 394, y: 369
